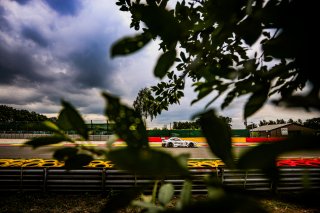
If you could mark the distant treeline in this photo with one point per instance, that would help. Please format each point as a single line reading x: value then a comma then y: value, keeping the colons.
x: 15, y: 120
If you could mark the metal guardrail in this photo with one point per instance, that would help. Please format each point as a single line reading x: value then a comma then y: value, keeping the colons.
x: 108, y: 179
x: 89, y: 179
x: 31, y: 135
x: 291, y: 179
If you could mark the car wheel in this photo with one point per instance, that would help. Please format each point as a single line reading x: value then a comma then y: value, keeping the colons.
x: 170, y: 144
x: 191, y: 145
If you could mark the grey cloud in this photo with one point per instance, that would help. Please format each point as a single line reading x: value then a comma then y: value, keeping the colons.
x: 65, y: 7
x: 15, y: 64
x: 22, y: 2
x: 16, y: 99
x: 73, y: 64
x: 35, y: 35
x: 4, y: 26
x: 92, y: 65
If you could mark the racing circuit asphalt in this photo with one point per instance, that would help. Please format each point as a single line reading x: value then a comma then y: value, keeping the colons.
x: 16, y: 151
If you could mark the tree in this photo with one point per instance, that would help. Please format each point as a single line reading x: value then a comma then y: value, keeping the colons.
x: 290, y: 121
x: 196, y: 124
x: 186, y: 125
x: 270, y: 122
x: 263, y: 123
x: 10, y: 114
x: 210, y: 43
x: 252, y: 126
x: 227, y: 120
x: 20, y: 119
x: 280, y: 121
x: 313, y: 123
x: 143, y: 104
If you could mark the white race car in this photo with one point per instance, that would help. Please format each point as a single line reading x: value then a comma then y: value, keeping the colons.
x: 177, y: 142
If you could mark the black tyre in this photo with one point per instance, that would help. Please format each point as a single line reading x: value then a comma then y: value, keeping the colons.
x: 191, y: 145
x: 170, y: 144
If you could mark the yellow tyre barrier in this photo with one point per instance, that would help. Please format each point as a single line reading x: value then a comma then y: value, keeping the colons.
x: 94, y: 163
x: 198, y: 139
x: 11, y: 163
x: 100, y: 164
x: 42, y: 163
x: 30, y: 163
x: 205, y: 163
x: 238, y: 139
x: 203, y: 139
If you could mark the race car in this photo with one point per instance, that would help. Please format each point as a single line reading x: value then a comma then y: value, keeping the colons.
x: 178, y: 142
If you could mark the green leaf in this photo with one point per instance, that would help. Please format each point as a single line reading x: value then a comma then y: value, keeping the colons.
x: 250, y: 29
x: 154, y: 192
x: 77, y: 161
x: 161, y: 22
x: 164, y: 63
x: 64, y: 153
x: 150, y: 206
x: 267, y: 58
x: 185, y: 195
x: 283, y: 46
x: 147, y: 162
x: 70, y: 119
x: 218, y: 136
x: 124, y: 8
x: 129, y: 125
x: 166, y: 192
x: 50, y: 126
x: 182, y: 159
x: 129, y: 45
x: 44, y: 141
x: 256, y: 101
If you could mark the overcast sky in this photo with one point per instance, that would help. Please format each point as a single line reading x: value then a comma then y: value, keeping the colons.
x: 57, y: 49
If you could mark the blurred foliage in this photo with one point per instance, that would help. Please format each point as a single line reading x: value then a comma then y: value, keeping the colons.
x: 230, y: 48
x: 210, y: 42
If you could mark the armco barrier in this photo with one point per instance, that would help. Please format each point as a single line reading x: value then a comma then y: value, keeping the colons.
x: 87, y: 180
x: 291, y: 179
x: 100, y: 176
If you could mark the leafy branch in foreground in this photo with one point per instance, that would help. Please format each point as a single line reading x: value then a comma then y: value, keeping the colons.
x: 139, y: 158
x: 229, y: 48
x: 69, y: 119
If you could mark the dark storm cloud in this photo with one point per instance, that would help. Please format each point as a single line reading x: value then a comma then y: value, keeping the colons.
x: 16, y: 64
x: 65, y: 7
x: 35, y: 36
x: 87, y: 66
x: 92, y: 65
